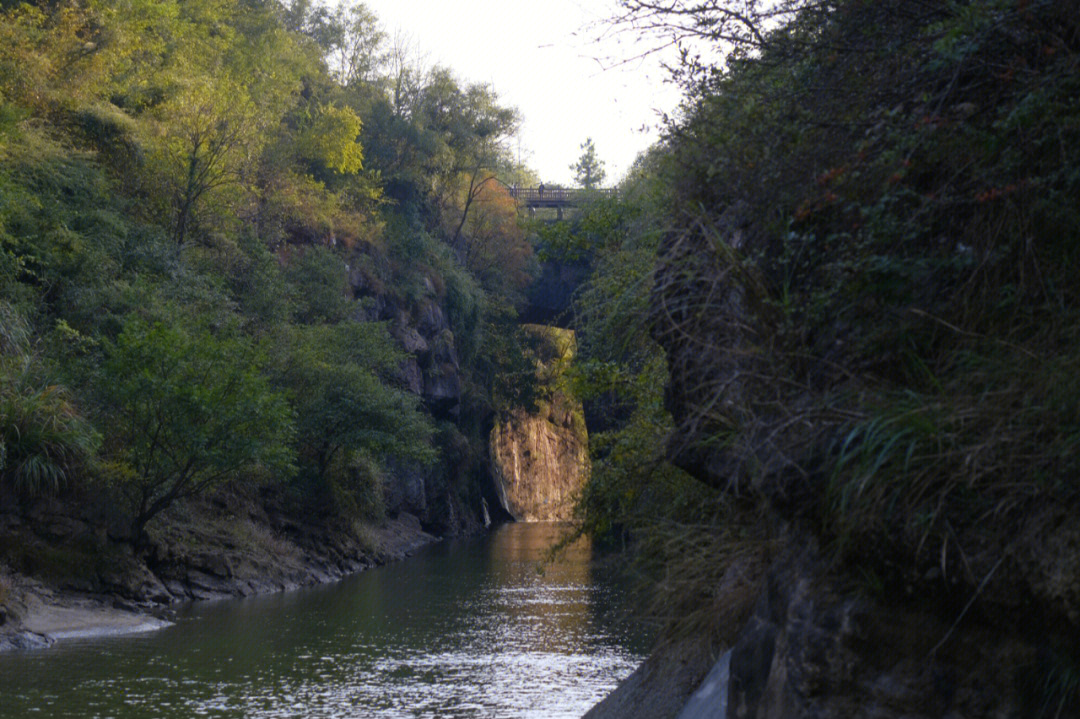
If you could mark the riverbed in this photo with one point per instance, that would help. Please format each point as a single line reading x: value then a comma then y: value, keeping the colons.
x: 470, y: 628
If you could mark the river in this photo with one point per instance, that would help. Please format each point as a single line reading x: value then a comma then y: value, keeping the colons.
x: 467, y: 628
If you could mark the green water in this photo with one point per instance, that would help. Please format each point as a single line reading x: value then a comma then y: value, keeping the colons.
x: 466, y: 629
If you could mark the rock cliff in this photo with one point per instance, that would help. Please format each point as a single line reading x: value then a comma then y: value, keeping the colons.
x: 978, y: 628
x: 540, y: 461
x: 540, y: 458
x: 434, y: 371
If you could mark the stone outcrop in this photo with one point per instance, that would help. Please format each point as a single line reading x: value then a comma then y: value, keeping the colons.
x: 980, y: 627
x: 540, y: 458
x: 540, y: 461
x: 659, y: 687
x: 65, y: 580
x: 813, y: 648
x: 432, y: 370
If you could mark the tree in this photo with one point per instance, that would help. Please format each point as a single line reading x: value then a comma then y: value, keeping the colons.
x: 704, y: 31
x: 472, y: 127
x: 187, y: 410
x: 205, y: 134
x: 330, y: 143
x: 493, y: 245
x: 357, y: 50
x: 589, y: 169
x: 347, y: 416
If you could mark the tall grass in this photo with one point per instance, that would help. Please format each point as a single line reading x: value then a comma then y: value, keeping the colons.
x: 702, y: 579
x: 44, y: 438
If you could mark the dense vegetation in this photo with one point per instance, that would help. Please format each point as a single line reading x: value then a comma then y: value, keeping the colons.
x: 218, y: 218
x: 836, y: 307
x: 853, y: 262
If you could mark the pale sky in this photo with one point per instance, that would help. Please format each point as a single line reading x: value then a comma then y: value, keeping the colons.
x: 540, y: 57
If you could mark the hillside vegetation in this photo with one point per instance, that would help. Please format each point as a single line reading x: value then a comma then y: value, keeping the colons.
x: 853, y: 264
x: 248, y: 245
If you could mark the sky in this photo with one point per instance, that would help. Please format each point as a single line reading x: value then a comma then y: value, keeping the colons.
x: 543, y: 57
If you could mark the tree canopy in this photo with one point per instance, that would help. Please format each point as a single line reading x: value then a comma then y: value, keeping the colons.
x: 589, y: 169
x: 218, y: 219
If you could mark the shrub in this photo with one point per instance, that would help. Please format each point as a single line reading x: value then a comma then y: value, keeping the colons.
x: 43, y: 439
x: 187, y: 409
x: 348, y: 417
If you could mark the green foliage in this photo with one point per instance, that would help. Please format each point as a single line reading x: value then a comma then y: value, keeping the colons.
x: 186, y: 410
x: 695, y: 554
x: 348, y: 420
x: 589, y: 169
x: 205, y: 134
x: 186, y: 187
x: 358, y: 490
x: 865, y: 289
x: 319, y: 281
x: 260, y: 285
x: 59, y: 223
x: 331, y: 141
x: 44, y: 442
x: 43, y: 438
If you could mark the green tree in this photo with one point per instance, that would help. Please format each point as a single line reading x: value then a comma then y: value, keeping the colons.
x: 356, y: 45
x: 470, y: 128
x: 348, y: 419
x: 330, y: 142
x: 187, y: 410
x: 589, y: 169
x: 205, y: 134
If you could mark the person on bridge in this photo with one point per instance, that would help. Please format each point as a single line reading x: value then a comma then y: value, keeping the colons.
x: 541, y: 190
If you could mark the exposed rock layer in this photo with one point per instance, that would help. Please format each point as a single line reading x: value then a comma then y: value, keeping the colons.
x: 540, y: 461
x: 233, y: 546
x: 813, y: 648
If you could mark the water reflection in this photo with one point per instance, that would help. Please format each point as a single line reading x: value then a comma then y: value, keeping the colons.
x: 471, y: 630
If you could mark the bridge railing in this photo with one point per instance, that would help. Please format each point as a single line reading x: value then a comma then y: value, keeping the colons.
x: 557, y: 195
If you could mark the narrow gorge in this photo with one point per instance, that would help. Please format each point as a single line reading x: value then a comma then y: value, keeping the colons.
x: 788, y: 390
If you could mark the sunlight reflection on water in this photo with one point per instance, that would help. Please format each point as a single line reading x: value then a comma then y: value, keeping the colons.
x: 471, y: 630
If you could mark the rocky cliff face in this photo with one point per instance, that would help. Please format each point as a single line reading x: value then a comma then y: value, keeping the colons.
x: 540, y: 458
x: 433, y: 371
x: 813, y: 647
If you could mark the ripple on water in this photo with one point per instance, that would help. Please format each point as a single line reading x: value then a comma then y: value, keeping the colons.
x: 470, y: 631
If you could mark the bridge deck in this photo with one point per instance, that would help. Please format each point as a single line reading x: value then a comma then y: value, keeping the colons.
x: 555, y: 197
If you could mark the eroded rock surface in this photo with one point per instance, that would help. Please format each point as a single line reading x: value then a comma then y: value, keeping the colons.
x: 540, y: 461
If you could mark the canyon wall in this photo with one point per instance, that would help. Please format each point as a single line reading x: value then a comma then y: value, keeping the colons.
x: 540, y: 456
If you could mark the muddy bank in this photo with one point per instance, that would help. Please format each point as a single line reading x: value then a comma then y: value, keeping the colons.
x: 39, y: 615
x: 83, y: 585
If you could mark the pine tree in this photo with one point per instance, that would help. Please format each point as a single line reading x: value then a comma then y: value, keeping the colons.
x: 588, y: 170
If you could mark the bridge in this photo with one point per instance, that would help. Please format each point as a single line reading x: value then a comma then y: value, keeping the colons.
x: 557, y: 198
x: 548, y: 298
